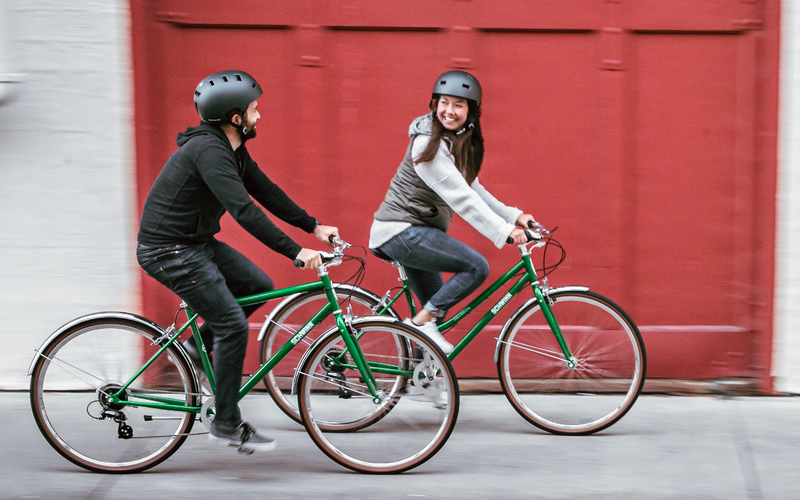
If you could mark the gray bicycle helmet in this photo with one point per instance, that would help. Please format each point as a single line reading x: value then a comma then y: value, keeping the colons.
x: 458, y: 84
x: 221, y: 92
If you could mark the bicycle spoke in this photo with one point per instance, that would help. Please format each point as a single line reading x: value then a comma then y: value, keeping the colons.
x: 557, y: 355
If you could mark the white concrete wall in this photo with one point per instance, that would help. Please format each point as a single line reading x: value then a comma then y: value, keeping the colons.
x: 67, y: 182
x: 786, y: 358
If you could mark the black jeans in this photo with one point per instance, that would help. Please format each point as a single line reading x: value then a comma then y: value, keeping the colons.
x: 208, y: 277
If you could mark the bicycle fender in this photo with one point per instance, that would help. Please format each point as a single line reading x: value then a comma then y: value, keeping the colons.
x: 520, y: 309
x: 274, y: 312
x: 93, y: 317
x: 329, y: 333
x: 279, y: 308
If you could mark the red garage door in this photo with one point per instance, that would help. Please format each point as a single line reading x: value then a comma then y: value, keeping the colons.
x: 644, y: 130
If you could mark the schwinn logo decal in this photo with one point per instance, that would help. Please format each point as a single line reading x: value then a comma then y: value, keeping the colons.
x: 502, y: 303
x: 302, y: 333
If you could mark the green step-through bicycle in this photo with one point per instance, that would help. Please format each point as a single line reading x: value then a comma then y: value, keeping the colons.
x: 569, y: 360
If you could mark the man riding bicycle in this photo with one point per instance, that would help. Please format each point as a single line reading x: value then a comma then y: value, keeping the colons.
x: 209, y: 174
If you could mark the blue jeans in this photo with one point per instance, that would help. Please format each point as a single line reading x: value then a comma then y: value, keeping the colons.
x: 209, y: 277
x: 426, y: 252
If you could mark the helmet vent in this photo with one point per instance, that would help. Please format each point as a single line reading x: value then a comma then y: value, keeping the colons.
x: 465, y: 86
x: 225, y: 79
x: 238, y: 78
x: 196, y: 93
x: 211, y: 82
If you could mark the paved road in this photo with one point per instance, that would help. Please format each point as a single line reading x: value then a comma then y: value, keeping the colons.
x: 666, y: 447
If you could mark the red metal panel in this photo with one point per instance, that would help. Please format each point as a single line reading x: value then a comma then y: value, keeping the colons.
x: 645, y: 130
x: 683, y: 152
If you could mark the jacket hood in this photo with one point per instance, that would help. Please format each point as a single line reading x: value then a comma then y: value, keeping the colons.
x: 421, y: 125
x: 202, y: 129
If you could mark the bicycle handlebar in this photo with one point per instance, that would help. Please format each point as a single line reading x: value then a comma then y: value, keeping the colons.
x: 339, y: 246
x: 535, y: 235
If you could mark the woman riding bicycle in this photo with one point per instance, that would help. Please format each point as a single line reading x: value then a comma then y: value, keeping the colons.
x: 439, y: 176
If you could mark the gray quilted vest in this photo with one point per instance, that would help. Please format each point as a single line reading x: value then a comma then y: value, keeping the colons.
x: 410, y: 200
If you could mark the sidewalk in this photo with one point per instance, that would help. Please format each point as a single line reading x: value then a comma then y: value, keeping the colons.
x: 665, y: 448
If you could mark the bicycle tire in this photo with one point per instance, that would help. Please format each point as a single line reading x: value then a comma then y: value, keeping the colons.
x: 599, y: 390
x: 414, y: 422
x: 284, y: 321
x: 87, y: 359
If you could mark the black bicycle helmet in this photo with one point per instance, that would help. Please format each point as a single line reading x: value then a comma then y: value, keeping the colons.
x: 458, y: 84
x: 222, y: 92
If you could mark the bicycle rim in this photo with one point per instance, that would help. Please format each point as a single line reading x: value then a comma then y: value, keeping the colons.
x: 406, y: 427
x: 74, y: 374
x: 606, y: 380
x: 285, y: 322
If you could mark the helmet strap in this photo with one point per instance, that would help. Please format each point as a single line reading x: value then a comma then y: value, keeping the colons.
x: 242, y: 129
x: 468, y: 126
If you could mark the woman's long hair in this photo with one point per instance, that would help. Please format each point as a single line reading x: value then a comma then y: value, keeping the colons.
x: 467, y: 144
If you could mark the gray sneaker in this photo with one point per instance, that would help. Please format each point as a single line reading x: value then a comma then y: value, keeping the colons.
x: 414, y: 393
x: 243, y: 435
x: 432, y: 332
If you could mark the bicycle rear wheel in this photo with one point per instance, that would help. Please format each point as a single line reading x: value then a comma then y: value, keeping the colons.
x: 603, y: 385
x: 418, y: 398
x: 93, y: 357
x: 284, y: 322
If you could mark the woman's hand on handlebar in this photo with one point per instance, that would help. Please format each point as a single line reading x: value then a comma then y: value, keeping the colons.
x: 527, y: 230
x: 310, y: 258
x: 323, y: 234
x: 518, y: 236
x: 525, y: 220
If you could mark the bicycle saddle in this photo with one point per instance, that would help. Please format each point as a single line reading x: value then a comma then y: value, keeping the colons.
x: 377, y: 253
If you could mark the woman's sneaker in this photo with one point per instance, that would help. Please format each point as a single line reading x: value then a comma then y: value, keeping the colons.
x: 243, y: 435
x: 430, y: 331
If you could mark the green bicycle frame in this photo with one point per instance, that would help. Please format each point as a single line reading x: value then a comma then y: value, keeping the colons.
x: 529, y: 276
x: 331, y: 307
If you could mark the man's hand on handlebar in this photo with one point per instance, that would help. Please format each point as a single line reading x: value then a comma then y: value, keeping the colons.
x: 323, y: 234
x: 310, y: 258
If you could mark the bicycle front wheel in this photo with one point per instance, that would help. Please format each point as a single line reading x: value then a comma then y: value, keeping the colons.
x: 417, y: 398
x: 552, y: 394
x: 284, y: 322
x: 78, y: 369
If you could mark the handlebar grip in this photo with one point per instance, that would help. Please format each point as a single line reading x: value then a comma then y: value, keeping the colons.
x: 529, y: 234
x: 332, y: 238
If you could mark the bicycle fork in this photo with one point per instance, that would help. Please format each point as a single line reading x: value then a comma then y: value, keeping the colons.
x: 352, y: 345
x: 545, y: 304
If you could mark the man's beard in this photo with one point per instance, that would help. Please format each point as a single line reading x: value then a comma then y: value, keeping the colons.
x: 251, y: 133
